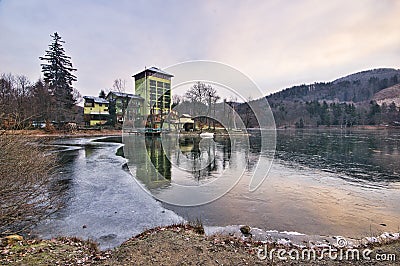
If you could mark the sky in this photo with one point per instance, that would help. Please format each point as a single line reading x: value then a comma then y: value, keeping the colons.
x: 277, y: 44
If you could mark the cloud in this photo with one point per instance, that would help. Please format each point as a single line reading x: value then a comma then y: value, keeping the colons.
x: 285, y: 42
x: 277, y: 43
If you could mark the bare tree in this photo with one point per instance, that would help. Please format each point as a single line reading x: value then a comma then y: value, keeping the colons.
x: 77, y: 96
x: 41, y: 101
x: 176, y: 100
x: 202, y: 95
x: 119, y: 85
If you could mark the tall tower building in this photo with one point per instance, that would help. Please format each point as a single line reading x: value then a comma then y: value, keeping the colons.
x: 154, y: 85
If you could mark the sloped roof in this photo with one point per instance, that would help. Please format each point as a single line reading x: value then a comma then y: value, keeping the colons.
x: 123, y: 94
x: 155, y: 70
x: 95, y: 99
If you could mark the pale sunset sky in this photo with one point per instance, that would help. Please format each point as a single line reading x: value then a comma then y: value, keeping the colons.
x: 276, y: 43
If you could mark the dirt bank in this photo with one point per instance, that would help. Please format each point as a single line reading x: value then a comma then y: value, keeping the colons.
x: 172, y: 245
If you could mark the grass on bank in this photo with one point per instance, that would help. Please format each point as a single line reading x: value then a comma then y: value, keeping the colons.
x: 180, y: 244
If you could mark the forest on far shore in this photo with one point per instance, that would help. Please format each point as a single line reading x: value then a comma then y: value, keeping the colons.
x: 357, y: 99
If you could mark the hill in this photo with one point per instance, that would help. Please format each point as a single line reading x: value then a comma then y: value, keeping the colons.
x: 388, y: 96
x: 355, y: 88
x: 356, y: 99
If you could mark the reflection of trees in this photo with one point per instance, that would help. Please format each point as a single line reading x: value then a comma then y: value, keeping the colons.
x: 225, y: 142
x: 149, y: 161
x: 190, y: 147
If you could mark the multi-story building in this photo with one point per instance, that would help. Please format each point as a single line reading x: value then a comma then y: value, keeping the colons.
x: 154, y: 85
x: 95, y: 111
x: 127, y: 106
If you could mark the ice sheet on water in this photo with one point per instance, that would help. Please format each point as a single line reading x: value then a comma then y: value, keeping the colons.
x: 105, y: 202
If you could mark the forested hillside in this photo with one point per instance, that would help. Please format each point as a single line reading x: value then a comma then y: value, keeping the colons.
x: 347, y: 101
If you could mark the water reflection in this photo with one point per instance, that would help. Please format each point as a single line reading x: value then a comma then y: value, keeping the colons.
x: 158, y: 157
x: 307, y: 190
x: 322, y: 182
x: 194, y: 170
x: 157, y: 162
x: 360, y: 156
x: 148, y: 161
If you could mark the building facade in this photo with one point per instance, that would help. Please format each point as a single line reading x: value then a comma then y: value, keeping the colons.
x: 128, y: 107
x: 154, y: 85
x: 95, y: 111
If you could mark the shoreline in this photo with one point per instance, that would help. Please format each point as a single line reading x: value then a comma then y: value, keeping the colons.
x: 183, y: 244
x: 60, y: 134
x: 119, y: 132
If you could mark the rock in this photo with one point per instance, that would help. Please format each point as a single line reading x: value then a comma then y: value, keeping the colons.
x: 245, y: 230
x: 84, y: 226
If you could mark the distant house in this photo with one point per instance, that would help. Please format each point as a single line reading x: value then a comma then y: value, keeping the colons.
x: 185, y: 122
x: 95, y: 111
x: 127, y: 106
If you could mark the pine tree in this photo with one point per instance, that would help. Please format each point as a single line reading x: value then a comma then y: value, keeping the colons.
x: 58, y: 76
x: 102, y: 94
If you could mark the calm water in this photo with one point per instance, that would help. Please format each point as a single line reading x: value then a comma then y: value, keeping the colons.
x: 321, y: 182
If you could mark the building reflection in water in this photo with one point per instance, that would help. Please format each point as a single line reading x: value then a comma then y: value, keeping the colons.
x: 152, y: 159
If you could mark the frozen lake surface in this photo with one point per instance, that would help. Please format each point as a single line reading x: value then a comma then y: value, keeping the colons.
x: 321, y: 183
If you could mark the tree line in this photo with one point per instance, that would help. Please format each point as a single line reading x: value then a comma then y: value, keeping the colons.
x: 51, y: 98
x: 321, y: 113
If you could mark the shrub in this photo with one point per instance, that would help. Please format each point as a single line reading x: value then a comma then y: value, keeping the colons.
x: 27, y: 192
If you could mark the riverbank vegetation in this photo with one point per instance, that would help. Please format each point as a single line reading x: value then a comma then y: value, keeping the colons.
x: 52, y: 99
x: 28, y: 192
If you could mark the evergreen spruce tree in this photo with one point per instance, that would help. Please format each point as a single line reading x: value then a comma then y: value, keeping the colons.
x: 58, y: 76
x: 102, y: 94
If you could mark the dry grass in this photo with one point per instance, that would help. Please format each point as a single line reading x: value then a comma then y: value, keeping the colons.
x: 27, y: 193
x: 172, y: 245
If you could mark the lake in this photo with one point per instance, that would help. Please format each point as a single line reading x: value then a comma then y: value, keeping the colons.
x: 322, y: 182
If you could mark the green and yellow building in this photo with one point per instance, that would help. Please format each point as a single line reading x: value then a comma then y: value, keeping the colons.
x: 154, y: 85
x: 95, y: 111
x: 128, y: 107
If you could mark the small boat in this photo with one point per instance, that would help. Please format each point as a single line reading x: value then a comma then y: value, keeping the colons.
x: 207, y: 135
